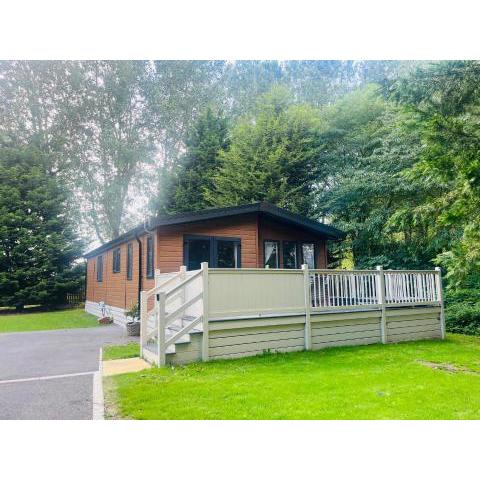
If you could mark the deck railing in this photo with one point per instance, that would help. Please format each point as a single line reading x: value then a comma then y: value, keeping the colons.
x: 335, y: 289
x: 211, y: 295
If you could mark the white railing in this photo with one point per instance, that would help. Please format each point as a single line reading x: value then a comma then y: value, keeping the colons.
x: 336, y: 289
x: 174, y: 297
x: 332, y: 289
x: 411, y: 287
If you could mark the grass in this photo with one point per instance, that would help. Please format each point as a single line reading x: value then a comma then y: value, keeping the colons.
x: 114, y: 352
x: 416, y: 380
x: 26, y: 322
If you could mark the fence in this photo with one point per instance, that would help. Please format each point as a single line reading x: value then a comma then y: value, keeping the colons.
x: 75, y: 298
x: 241, y: 312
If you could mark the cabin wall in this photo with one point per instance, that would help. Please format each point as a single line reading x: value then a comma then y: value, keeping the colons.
x: 170, y: 239
x: 115, y: 290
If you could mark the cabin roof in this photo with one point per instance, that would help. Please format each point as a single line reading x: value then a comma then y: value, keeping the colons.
x: 264, y: 208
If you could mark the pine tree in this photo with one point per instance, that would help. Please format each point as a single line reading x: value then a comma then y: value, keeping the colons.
x: 209, y: 136
x: 273, y: 157
x: 37, y: 242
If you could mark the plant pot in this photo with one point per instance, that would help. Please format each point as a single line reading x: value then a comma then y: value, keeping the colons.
x: 105, y: 320
x: 133, y: 329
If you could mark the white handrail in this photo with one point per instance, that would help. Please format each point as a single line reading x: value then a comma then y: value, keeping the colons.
x: 336, y: 289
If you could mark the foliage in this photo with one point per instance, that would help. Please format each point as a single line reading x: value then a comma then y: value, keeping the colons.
x: 37, y: 241
x: 446, y: 98
x: 53, y: 320
x: 195, y: 175
x: 362, y: 382
x: 368, y: 144
x: 272, y: 156
x: 463, y: 318
x: 134, y: 312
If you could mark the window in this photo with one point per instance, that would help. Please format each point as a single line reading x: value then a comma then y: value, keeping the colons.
x: 270, y: 253
x: 116, y: 261
x: 308, y: 254
x: 219, y: 252
x: 100, y: 268
x: 290, y: 254
x: 150, y: 272
x: 129, y: 261
x: 228, y: 254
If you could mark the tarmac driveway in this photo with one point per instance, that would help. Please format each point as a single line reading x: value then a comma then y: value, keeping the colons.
x: 49, y: 374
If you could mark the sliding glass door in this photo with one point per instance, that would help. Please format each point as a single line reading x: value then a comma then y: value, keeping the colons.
x: 219, y: 252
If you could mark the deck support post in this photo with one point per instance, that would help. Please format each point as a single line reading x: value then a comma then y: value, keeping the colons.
x: 381, y: 301
x: 143, y: 321
x: 161, y: 299
x: 205, y: 342
x: 308, y: 306
x: 438, y: 281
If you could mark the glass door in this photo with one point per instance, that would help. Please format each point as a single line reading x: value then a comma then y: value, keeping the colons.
x: 197, y: 251
x: 219, y: 252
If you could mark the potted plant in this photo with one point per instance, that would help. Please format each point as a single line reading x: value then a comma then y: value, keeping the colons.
x: 133, y: 325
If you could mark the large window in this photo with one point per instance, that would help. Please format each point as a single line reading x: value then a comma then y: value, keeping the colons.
x: 227, y: 253
x: 219, y: 252
x: 150, y: 270
x: 116, y: 261
x: 100, y: 268
x: 290, y: 254
x: 270, y: 253
x: 308, y: 254
x: 129, y: 261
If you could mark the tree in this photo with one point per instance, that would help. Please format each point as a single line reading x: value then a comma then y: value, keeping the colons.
x: 369, y: 145
x: 208, y: 137
x: 273, y: 157
x: 446, y: 98
x: 37, y: 241
x: 111, y: 141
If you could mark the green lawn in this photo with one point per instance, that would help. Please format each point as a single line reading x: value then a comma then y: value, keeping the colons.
x: 26, y: 322
x: 400, y: 381
x: 114, y: 352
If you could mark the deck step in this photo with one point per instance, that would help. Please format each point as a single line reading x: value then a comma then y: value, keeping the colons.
x: 171, y: 330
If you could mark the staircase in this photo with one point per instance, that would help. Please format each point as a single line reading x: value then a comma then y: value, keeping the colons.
x: 185, y: 349
x: 172, y: 331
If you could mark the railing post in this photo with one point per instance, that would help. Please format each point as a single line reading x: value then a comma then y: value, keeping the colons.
x: 161, y: 298
x: 308, y: 306
x: 438, y: 279
x: 143, y: 321
x: 183, y: 276
x: 381, y: 301
x: 204, y: 267
x: 157, y: 277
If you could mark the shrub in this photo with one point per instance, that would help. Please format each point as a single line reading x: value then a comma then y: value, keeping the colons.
x: 469, y: 296
x: 463, y: 318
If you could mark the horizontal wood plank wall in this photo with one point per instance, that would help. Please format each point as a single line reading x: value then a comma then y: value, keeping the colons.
x: 246, y: 337
x: 115, y: 290
x: 272, y: 230
x: 332, y: 330
x: 254, y: 340
x: 405, y: 324
x: 170, y: 239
